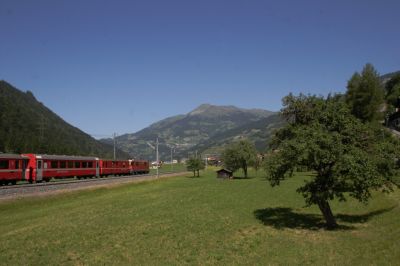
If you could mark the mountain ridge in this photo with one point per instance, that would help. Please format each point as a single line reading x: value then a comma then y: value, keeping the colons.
x: 183, y: 132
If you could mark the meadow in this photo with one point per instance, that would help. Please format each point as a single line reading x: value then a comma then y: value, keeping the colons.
x: 168, y: 168
x: 186, y: 220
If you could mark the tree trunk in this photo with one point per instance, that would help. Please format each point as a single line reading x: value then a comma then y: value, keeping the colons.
x: 327, y: 213
x: 245, y: 170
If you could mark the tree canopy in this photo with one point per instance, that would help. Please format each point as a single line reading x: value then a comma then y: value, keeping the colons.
x: 349, y: 158
x: 239, y: 155
x: 365, y: 94
x: 195, y: 165
x: 393, y: 90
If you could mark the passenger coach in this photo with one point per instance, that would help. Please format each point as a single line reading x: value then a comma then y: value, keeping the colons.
x: 12, y: 168
x: 45, y: 167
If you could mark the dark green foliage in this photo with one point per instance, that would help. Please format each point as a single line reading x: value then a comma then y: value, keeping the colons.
x: 349, y: 158
x: 393, y: 90
x: 239, y: 155
x: 195, y: 165
x: 27, y: 126
x: 365, y: 94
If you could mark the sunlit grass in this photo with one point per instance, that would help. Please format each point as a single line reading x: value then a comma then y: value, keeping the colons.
x: 186, y: 220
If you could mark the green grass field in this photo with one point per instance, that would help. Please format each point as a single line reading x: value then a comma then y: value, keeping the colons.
x: 185, y: 220
x: 167, y: 168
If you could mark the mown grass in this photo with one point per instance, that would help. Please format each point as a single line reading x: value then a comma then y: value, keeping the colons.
x: 187, y: 220
x: 167, y: 168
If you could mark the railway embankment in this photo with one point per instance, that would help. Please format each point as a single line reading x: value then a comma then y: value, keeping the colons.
x: 52, y: 188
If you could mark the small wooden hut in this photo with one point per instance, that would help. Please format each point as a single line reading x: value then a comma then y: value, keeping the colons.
x: 224, y: 173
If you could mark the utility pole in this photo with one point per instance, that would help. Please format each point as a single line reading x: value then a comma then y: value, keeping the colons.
x: 157, y: 158
x: 115, y: 134
x: 172, y: 164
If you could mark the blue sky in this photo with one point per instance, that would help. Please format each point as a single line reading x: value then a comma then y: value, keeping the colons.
x: 118, y: 66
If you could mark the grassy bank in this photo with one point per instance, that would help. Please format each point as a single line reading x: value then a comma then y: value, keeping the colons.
x: 196, y: 221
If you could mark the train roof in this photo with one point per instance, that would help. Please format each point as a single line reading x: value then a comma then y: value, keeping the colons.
x: 111, y: 160
x: 12, y: 156
x: 65, y: 157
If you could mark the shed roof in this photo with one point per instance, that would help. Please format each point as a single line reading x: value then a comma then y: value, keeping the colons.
x: 223, y: 170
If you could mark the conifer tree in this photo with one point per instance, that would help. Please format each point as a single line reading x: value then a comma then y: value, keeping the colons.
x: 365, y: 94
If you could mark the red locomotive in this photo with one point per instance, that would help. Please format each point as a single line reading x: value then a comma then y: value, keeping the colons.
x: 110, y: 167
x: 38, y: 168
x: 139, y: 167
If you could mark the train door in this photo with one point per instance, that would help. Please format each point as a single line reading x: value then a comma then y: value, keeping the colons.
x: 97, y: 168
x: 39, y: 170
x: 24, y: 166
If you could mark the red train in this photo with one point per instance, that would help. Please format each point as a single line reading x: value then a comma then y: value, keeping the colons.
x: 12, y: 168
x: 37, y: 167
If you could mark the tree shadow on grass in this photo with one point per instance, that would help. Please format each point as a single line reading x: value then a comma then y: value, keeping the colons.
x: 362, y: 218
x: 242, y: 177
x: 193, y: 177
x: 281, y: 218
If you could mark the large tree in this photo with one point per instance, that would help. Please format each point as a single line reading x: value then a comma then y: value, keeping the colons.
x: 365, y: 94
x: 349, y: 158
x: 239, y: 155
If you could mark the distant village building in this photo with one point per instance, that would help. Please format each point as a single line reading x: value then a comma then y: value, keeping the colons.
x: 224, y: 173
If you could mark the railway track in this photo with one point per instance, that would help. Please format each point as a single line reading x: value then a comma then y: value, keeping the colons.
x: 66, y: 181
x: 23, y: 190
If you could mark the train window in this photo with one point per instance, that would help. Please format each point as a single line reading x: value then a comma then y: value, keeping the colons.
x: 84, y: 164
x: 3, y: 164
x: 16, y: 164
x: 90, y: 164
x: 70, y: 164
x: 54, y: 164
x: 63, y: 164
x: 77, y: 164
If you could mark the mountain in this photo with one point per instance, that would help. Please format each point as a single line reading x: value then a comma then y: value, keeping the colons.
x: 27, y: 126
x: 259, y: 132
x: 204, y: 128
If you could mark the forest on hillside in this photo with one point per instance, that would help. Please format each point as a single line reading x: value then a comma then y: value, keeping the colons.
x: 28, y: 126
